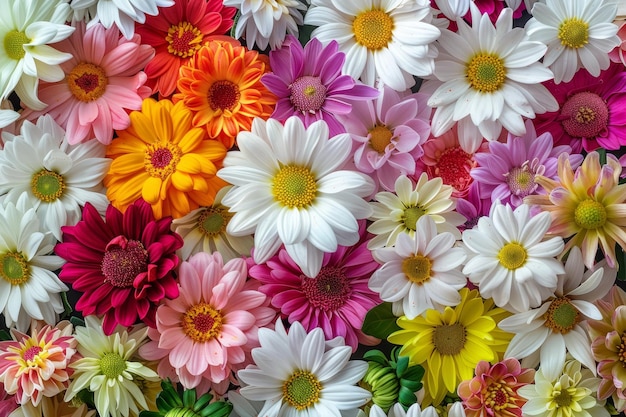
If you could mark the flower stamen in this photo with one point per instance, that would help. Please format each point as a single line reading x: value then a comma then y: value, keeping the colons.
x: 373, y: 29
x: 87, y: 82
x: 294, y: 186
x: 302, y: 390
x: 486, y: 72
x: 574, y: 32
x: 183, y: 39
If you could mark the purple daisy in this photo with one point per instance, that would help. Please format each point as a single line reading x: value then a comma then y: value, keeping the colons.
x: 309, y: 84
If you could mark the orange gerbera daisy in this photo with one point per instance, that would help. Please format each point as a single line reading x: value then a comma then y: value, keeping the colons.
x: 163, y: 159
x: 222, y: 85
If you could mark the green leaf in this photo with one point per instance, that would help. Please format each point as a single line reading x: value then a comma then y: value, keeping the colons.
x: 4, y: 335
x: 380, y: 321
x: 67, y: 307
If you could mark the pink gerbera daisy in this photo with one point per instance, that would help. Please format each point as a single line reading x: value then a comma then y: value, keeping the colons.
x: 102, y: 81
x: 336, y: 299
x: 209, y: 330
x: 122, y: 264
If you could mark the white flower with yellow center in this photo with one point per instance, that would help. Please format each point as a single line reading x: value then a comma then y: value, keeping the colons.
x: 387, y: 39
x: 578, y: 33
x: 487, y: 77
x: 289, y: 189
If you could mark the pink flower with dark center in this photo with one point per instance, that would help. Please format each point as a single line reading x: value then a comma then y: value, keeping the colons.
x: 123, y: 264
x: 472, y: 207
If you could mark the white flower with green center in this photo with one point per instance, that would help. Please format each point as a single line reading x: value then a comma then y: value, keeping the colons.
x: 290, y: 188
x: 578, y: 34
x: 29, y: 289
x: 27, y: 29
x: 108, y: 369
x: 487, y: 77
x: 58, y: 177
x: 299, y: 374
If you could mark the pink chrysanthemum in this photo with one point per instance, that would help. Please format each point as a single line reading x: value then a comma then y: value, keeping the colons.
x: 309, y: 84
x: 37, y: 366
x: 123, y: 264
x: 336, y: 300
x: 472, y: 207
x: 102, y: 81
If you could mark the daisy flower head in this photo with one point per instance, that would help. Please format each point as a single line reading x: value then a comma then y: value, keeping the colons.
x: 313, y: 378
x: 420, y: 272
x: 309, y: 83
x: 266, y: 22
x: 336, y: 300
x: 176, y: 33
x: 388, y: 134
x: 28, y: 28
x: 510, y: 261
x: 221, y: 85
x: 102, y: 80
x: 578, y: 34
x: 29, y: 289
x: 390, y: 40
x: 108, y: 368
x: 487, y: 77
x: 398, y: 212
x: 290, y: 188
x: 208, y: 331
x: 587, y: 204
x: 163, y: 159
x: 123, y: 270
x: 37, y: 365
x: 57, y: 177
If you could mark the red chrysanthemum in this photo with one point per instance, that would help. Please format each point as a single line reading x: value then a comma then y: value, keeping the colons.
x: 122, y: 264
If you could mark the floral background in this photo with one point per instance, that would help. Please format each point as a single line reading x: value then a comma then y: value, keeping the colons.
x: 282, y: 208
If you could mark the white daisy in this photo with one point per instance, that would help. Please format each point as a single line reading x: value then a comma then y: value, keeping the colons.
x: 578, y: 34
x: 299, y: 374
x: 28, y: 27
x: 29, y: 289
x: 420, y: 272
x: 398, y: 411
x: 487, y: 77
x: 453, y: 9
x: 390, y: 39
x: 264, y: 22
x: 289, y: 189
x: 58, y: 177
x: 558, y: 325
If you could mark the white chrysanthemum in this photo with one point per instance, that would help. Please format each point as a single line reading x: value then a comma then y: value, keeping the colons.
x: 27, y: 28
x: 557, y: 326
x: 510, y: 260
x: 29, y: 289
x: 299, y: 374
x: 388, y: 39
x: 107, y: 368
x: 289, y: 189
x: 420, y: 272
x: 398, y: 411
x: 264, y: 22
x: 487, y: 77
x: 122, y: 13
x: 578, y: 34
x: 58, y: 177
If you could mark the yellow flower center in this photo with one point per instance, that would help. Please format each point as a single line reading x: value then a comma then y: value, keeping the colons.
x: 294, y: 186
x: 14, y: 42
x: 47, y: 186
x: 574, y: 33
x: 411, y: 216
x: 563, y: 398
x: 499, y: 396
x: 201, y: 322
x: 486, y: 72
x: 302, y: 390
x: 87, y: 82
x: 160, y: 159
x: 417, y: 268
x: 214, y: 220
x: 380, y: 137
x: 373, y: 29
x: 183, y: 39
x: 590, y: 214
x: 449, y: 339
x: 112, y: 365
x: 561, y: 316
x: 223, y: 95
x: 512, y: 256
x: 14, y: 268
x: 31, y: 354
x: 181, y: 412
x: 621, y: 350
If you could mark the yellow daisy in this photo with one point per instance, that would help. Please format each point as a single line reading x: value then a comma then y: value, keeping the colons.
x: 163, y: 159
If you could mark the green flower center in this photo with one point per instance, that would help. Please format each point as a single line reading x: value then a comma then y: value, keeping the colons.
x: 47, y: 186
x: 411, y: 216
x: 590, y: 214
x: 14, y: 44
x: 486, y: 72
x: 373, y: 29
x: 380, y: 137
x: 213, y: 221
x: 181, y: 412
x: 301, y: 390
x: 512, y: 256
x: 112, y: 365
x: 574, y: 33
x: 14, y: 268
x: 382, y: 382
x: 449, y: 339
x: 294, y: 186
x: 417, y: 268
x: 561, y: 316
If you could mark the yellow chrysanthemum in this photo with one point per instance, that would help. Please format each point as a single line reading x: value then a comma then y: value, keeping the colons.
x: 163, y: 159
x: 450, y: 344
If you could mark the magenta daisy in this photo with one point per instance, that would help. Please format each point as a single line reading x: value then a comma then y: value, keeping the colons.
x: 309, y: 84
x: 102, y: 81
x: 336, y: 300
x: 208, y: 331
x: 122, y: 264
